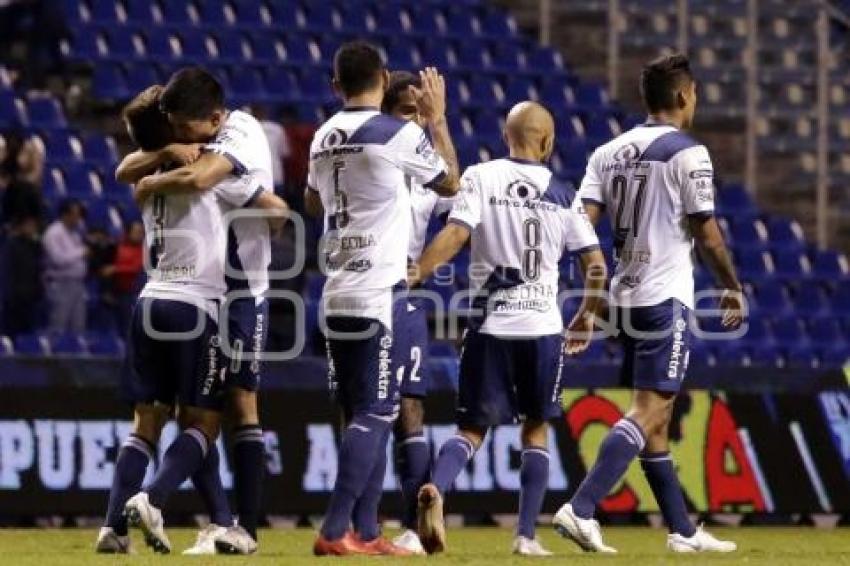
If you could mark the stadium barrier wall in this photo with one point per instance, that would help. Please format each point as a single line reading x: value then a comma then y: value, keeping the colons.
x: 747, y: 451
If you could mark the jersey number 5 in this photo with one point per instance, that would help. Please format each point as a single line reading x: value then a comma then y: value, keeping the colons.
x: 340, y: 198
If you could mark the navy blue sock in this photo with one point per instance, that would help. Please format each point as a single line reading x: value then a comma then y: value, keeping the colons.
x: 130, y: 467
x: 533, y: 478
x: 661, y: 475
x: 414, y: 467
x: 207, y: 482
x: 623, y: 443
x: 365, y: 514
x: 455, y: 453
x: 249, y: 467
x: 182, y: 459
x: 360, y: 449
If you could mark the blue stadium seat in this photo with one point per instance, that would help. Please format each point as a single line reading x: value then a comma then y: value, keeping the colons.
x: 82, y: 181
x: 196, y: 47
x: 810, y: 300
x: 834, y: 358
x: 118, y: 193
x: 438, y: 54
x: 748, y: 233
x: 789, y: 330
x: 281, y: 85
x: 402, y: 54
x: 105, y: 11
x: 772, y: 298
x: 246, y: 85
x: 785, y: 235
x: 758, y: 332
x: 104, y: 344
x: 124, y: 45
x: 826, y: 330
x: 287, y: 14
x: 487, y: 126
x: 301, y: 50
x: 12, y: 111
x: 601, y: 128
x: 100, y: 214
x: 791, y: 264
x: 45, y: 113
x: 766, y: 355
x: 142, y: 12
x: 316, y: 86
x: 484, y: 92
x: 545, y: 61
x: 574, y: 153
x: 67, y: 345
x: 268, y: 48
x: 591, y: 97
x: 442, y: 349
x: 508, y: 57
x: 215, y: 13
x: 830, y: 265
x: 473, y: 55
x: 100, y: 150
x: 32, y: 345
x: 7, y: 347
x: 841, y: 300
x: 86, y: 44
x: 557, y: 94
x: 498, y: 24
x: 801, y: 355
x: 62, y: 148
x: 252, y: 14
x: 232, y: 46
x: 140, y: 76
x: 53, y: 185
x: 518, y: 89
x: 179, y: 13
x: 753, y: 265
x: 357, y: 19
x: 569, y: 127
x: 109, y: 82
x: 427, y: 21
x: 161, y: 45
x: 462, y: 23
x: 735, y: 200
x: 75, y: 12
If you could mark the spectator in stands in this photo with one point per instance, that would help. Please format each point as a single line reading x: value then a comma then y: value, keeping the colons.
x: 66, y: 266
x: 22, y: 285
x: 21, y: 175
x: 278, y: 143
x: 127, y: 273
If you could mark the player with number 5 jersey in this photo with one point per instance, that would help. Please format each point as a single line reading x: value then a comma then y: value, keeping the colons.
x: 358, y: 163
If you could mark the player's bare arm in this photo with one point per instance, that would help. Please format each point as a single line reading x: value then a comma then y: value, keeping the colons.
x: 313, y: 203
x: 275, y: 206
x: 593, y: 211
x: 715, y: 254
x: 431, y: 100
x: 209, y: 170
x: 580, y: 329
x: 140, y: 164
x: 445, y: 246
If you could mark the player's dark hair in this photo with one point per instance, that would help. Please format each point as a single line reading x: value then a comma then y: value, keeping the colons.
x: 399, y: 82
x: 193, y: 93
x: 68, y: 204
x: 147, y: 125
x: 357, y: 67
x: 662, y: 78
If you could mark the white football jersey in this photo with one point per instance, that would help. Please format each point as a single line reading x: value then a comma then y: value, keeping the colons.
x: 358, y: 162
x: 243, y: 141
x: 522, y: 222
x: 424, y: 204
x: 651, y: 179
x: 186, y: 242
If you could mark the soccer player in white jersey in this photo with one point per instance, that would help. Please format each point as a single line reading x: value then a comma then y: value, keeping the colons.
x: 411, y: 337
x: 358, y: 161
x: 521, y: 221
x: 656, y: 184
x: 173, y: 356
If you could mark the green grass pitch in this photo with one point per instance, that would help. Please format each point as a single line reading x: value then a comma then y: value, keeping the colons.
x: 467, y: 546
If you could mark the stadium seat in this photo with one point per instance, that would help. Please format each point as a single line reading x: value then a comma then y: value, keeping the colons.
x: 82, y: 181
x: 7, y: 348
x: 45, y: 113
x: 735, y: 200
x: 142, y: 12
x: 758, y: 332
x: 267, y: 48
x: 830, y: 265
x: 232, y: 46
x: 810, y: 300
x: 12, y: 111
x: 473, y: 56
x: 67, y: 345
x: 102, y: 215
x: 216, y: 13
x: 518, y: 89
x: 753, y: 265
x: 801, y: 356
x: 766, y: 355
x: 124, y: 45
x: 180, y: 13
x: 100, y: 150
x: 140, y: 76
x: 772, y: 298
x: 109, y: 82
x: 104, y: 344
x: 591, y: 97
x: 107, y: 12
x: 197, y: 47
x: 161, y: 46
x: 301, y: 50
x: 438, y: 54
x: 557, y: 94
x: 785, y: 235
x: 789, y: 330
x: 826, y: 331
x: 462, y: 23
x: 281, y: 85
x: 841, y: 300
x: 62, y: 148
x: 252, y: 14
x: 247, y: 85
x: 499, y: 25
x: 316, y: 87
x: 791, y: 264
x: 748, y: 233
x: 32, y: 345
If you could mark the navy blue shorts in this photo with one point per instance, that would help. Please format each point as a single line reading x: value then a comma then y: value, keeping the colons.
x: 360, y: 366
x: 410, y: 352
x: 656, y: 344
x: 506, y: 381
x: 171, y: 370
x: 248, y: 324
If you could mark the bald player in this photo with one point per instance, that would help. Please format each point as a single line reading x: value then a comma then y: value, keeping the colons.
x: 521, y: 220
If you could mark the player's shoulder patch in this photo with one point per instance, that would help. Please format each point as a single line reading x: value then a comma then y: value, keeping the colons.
x: 559, y: 192
x: 379, y: 129
x: 667, y: 146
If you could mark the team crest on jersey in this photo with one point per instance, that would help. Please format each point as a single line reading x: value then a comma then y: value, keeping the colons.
x: 334, y: 138
x: 628, y: 152
x: 523, y: 190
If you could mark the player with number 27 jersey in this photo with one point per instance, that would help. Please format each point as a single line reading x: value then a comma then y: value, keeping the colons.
x: 650, y: 180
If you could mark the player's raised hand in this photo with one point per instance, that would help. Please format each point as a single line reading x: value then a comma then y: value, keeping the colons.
x: 579, y: 333
x: 732, y: 308
x: 431, y: 97
x: 183, y: 153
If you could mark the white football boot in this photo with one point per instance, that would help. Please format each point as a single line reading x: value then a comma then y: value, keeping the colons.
x: 205, y: 541
x: 409, y: 541
x: 701, y: 541
x: 235, y: 540
x: 584, y: 532
x: 140, y: 513
x: 108, y: 542
x: 525, y: 546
